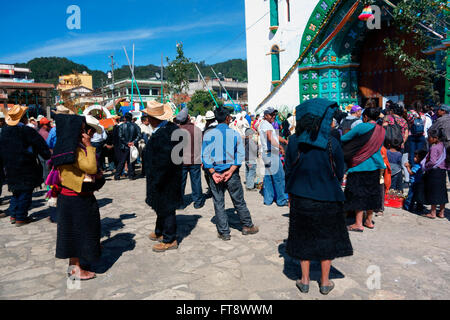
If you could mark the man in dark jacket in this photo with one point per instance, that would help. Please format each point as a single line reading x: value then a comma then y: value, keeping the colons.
x: 129, y: 135
x: 163, y: 176
x: 20, y: 146
x: 192, y: 158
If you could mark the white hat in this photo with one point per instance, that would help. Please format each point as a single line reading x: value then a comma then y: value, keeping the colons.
x: 39, y: 118
x: 2, y: 116
x: 134, y: 154
x: 94, y: 123
x: 210, y: 115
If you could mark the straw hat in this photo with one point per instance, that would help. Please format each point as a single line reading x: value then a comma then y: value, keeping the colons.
x: 158, y: 110
x: 15, y: 114
x: 60, y: 109
x: 94, y: 123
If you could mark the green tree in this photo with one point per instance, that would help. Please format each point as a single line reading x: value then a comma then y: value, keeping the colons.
x: 201, y: 102
x: 426, y: 23
x: 178, y: 73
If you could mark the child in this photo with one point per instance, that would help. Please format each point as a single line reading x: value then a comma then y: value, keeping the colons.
x: 415, y: 200
x: 395, y: 160
x: 435, y: 167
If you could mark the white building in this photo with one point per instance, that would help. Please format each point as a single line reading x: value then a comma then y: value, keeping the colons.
x: 286, y: 67
x: 263, y: 39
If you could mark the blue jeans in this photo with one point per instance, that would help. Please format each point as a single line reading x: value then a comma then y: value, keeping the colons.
x: 274, y: 181
x: 397, y: 182
x: 196, y: 182
x: 234, y: 187
x: 20, y: 204
x: 415, y: 143
x: 250, y: 174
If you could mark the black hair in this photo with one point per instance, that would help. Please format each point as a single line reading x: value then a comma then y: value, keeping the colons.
x: 433, y: 132
x: 221, y: 114
x: 397, y: 109
x: 143, y: 118
x: 372, y: 113
x: 128, y: 116
x: 420, y: 154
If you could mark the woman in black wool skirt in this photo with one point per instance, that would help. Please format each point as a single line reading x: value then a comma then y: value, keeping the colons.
x: 435, y: 180
x: 362, y: 153
x: 79, y: 228
x: 314, y: 171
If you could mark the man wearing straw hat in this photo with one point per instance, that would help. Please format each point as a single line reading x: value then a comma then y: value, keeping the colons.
x: 164, y: 177
x: 19, y: 148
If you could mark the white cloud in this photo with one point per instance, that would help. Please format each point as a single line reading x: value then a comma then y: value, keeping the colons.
x: 75, y: 45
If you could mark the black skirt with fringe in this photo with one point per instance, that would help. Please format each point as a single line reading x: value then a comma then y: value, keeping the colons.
x: 317, y: 230
x: 435, y: 181
x: 79, y: 228
x: 363, y: 192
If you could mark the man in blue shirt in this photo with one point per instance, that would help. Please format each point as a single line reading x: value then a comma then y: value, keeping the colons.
x: 222, y: 156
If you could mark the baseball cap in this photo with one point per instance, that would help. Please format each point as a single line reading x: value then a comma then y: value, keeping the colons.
x: 40, y: 117
x: 445, y: 108
x: 270, y: 110
x: 44, y: 120
x: 355, y: 109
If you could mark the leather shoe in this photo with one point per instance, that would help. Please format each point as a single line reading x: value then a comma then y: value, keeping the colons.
x: 154, y: 237
x: 252, y: 230
x: 224, y: 237
x: 162, y: 247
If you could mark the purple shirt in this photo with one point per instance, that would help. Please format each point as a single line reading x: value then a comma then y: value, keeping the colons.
x: 436, y: 157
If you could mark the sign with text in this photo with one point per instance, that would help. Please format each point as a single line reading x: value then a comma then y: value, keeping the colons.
x: 7, y: 71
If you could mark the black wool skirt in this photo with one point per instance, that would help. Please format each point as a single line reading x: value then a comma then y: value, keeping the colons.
x: 435, y: 181
x: 79, y: 228
x: 363, y: 191
x: 317, y: 230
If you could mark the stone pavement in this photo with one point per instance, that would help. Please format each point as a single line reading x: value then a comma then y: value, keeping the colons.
x: 409, y: 254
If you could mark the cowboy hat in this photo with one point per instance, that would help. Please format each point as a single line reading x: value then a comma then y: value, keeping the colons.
x: 94, y: 123
x: 210, y: 115
x: 15, y: 114
x: 60, y: 109
x: 158, y: 110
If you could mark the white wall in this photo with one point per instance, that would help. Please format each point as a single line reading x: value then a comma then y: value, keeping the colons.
x: 259, y: 43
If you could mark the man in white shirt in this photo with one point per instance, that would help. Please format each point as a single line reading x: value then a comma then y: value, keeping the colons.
x: 98, y: 141
x: 271, y: 148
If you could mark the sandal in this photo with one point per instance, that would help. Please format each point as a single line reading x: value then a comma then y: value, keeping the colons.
x: 428, y: 216
x: 304, y: 288
x: 350, y: 228
x: 326, y: 289
x: 373, y: 226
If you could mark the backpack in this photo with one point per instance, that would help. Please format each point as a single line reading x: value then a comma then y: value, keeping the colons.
x: 418, y: 127
x: 346, y: 125
x: 394, y: 136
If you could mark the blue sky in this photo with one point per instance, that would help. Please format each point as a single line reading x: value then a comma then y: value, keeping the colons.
x: 209, y: 30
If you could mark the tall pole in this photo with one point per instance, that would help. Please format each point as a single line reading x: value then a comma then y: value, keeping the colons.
x: 112, y: 74
x: 132, y: 80
x: 223, y: 87
x: 212, y: 96
x: 162, y: 78
x: 132, y: 76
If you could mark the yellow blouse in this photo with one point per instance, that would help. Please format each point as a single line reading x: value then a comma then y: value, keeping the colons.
x: 72, y: 175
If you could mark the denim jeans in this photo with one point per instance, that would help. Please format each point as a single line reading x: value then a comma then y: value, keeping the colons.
x: 166, y: 225
x: 274, y: 181
x: 196, y: 182
x: 234, y: 187
x: 20, y: 204
x: 250, y: 174
x: 415, y: 143
x: 397, y: 182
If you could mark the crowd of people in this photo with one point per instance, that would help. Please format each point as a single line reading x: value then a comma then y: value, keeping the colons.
x: 319, y: 161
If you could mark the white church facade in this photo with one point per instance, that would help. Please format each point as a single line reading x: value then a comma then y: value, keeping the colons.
x: 303, y: 49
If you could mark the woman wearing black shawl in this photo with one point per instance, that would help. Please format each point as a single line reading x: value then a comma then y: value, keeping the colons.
x: 314, y: 171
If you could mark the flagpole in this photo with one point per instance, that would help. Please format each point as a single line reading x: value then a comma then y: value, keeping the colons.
x: 224, y: 88
x: 162, y: 78
x: 212, y: 96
